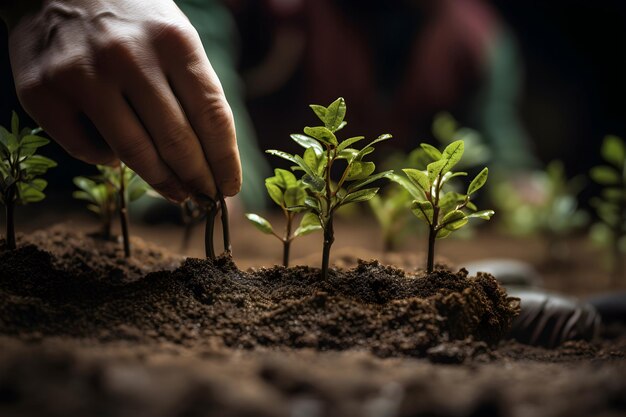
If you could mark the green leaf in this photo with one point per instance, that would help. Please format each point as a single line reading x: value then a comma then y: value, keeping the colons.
x: 350, y: 141
x: 335, y: 113
x: 454, y: 220
x: 415, y: 192
x: 308, y: 142
x: 434, y: 169
x: 360, y: 170
x: 359, y: 196
x: 320, y: 111
x: 310, y: 223
x: 423, y: 210
x: 260, y: 223
x: 443, y: 233
x: 294, y: 196
x: 432, y: 152
x: 613, y: 151
x: 311, y: 159
x: 29, y: 194
x: 37, y: 165
x: 360, y: 184
x: 453, y: 153
x: 483, y: 214
x: 418, y: 178
x: 38, y: 184
x: 83, y: 195
x: 322, y: 134
x: 33, y: 141
x: 281, y: 154
x: 275, y: 193
x: 450, y: 200
x: 478, y: 182
x: 604, y: 175
x: 449, y: 175
x: 315, y: 182
x: 283, y: 178
x: 313, y: 204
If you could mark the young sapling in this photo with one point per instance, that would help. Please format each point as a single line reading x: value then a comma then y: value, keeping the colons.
x: 289, y: 194
x: 443, y: 211
x: 325, y: 193
x: 610, y: 208
x: 20, y: 169
x: 213, y: 207
x: 109, y: 191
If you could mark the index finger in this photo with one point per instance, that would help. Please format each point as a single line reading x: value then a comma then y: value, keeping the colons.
x: 201, y: 96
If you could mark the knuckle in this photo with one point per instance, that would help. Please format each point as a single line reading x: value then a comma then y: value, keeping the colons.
x: 116, y: 49
x: 217, y: 116
x: 177, y: 35
x: 68, y: 71
x: 29, y: 91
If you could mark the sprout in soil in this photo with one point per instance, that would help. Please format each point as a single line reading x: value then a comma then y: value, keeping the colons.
x: 545, y: 203
x: 213, y: 206
x: 20, y: 168
x: 443, y: 211
x: 610, y: 208
x: 324, y: 152
x: 109, y: 191
x: 390, y: 205
x: 289, y: 194
x: 191, y: 214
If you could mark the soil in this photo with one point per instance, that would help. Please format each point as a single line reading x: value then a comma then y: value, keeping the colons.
x: 85, y: 332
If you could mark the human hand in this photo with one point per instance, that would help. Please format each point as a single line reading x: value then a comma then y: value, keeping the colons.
x: 128, y: 80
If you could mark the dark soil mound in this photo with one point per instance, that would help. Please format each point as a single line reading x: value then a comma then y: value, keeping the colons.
x: 370, y: 307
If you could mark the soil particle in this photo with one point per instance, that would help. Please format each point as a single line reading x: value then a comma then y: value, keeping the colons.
x: 370, y: 307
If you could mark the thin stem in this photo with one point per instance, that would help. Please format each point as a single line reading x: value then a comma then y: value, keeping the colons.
x: 225, y: 225
x: 124, y: 212
x: 432, y: 238
x: 10, y: 211
x: 209, y: 230
x: 329, y: 238
x: 287, y: 238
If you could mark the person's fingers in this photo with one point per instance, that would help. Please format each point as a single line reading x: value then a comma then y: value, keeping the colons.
x: 198, y: 89
x: 64, y: 123
x: 117, y: 122
x: 151, y: 97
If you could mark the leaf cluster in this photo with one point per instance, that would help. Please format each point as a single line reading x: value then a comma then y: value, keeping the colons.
x: 102, y: 191
x: 323, y: 153
x: 611, y: 205
x: 289, y: 194
x: 21, y: 166
x: 443, y: 210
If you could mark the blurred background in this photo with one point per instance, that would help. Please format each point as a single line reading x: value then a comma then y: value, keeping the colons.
x: 540, y: 81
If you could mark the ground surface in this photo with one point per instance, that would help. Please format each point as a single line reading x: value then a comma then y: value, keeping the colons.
x: 125, y: 370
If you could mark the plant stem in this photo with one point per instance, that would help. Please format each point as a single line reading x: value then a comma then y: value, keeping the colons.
x: 124, y: 212
x: 287, y: 239
x: 10, y: 211
x: 432, y: 238
x: 329, y: 238
x: 225, y: 225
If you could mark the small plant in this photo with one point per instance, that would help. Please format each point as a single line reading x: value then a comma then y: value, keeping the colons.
x: 289, y: 194
x: 191, y: 214
x: 610, y: 208
x: 111, y: 191
x: 325, y: 153
x: 544, y: 203
x: 443, y: 211
x: 390, y: 206
x: 20, y: 169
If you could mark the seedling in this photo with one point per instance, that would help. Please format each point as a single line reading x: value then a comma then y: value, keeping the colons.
x: 610, y: 208
x: 544, y: 203
x: 213, y: 206
x: 109, y: 191
x: 443, y: 211
x: 390, y: 207
x: 289, y: 194
x: 323, y: 152
x: 20, y: 169
x: 191, y: 214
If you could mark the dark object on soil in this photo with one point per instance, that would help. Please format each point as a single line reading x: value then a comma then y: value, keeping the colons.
x: 611, y: 306
x: 507, y: 271
x: 370, y: 307
x: 213, y: 207
x: 548, y: 319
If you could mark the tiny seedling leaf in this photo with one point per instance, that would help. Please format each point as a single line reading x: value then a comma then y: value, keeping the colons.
x: 478, y: 181
x: 260, y: 223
